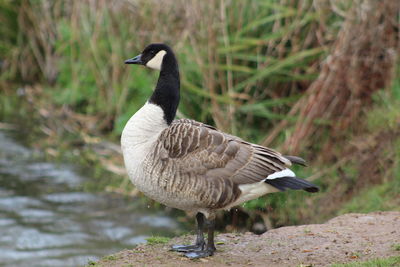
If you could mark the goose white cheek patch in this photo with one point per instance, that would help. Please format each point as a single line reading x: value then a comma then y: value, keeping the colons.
x: 156, y: 61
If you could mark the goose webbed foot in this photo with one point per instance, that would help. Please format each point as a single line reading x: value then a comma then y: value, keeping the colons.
x: 199, y: 245
x: 200, y: 253
x: 200, y: 249
x: 210, y: 247
x: 187, y: 248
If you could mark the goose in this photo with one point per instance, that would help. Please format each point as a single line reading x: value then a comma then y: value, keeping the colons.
x: 192, y: 166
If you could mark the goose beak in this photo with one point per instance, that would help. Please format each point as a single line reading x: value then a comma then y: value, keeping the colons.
x: 135, y: 60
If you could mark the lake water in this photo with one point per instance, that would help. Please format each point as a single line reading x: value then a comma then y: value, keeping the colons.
x: 46, y: 221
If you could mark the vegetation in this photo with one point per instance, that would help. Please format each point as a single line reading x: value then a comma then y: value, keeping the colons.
x: 396, y: 247
x: 157, y: 240
x: 295, y: 75
x: 93, y: 264
x: 387, y: 262
x: 110, y: 258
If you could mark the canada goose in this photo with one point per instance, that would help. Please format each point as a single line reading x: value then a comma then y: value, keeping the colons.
x: 192, y: 166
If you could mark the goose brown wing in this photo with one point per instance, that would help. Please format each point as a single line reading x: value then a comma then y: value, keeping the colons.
x: 213, y: 164
x: 199, y: 151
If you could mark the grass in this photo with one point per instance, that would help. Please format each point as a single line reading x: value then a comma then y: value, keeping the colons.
x: 382, y: 194
x: 110, y: 258
x: 106, y: 258
x: 82, y: 66
x: 381, y: 197
x: 396, y: 247
x: 385, y: 195
x: 386, y: 262
x: 93, y: 264
x: 240, y: 75
x: 153, y: 240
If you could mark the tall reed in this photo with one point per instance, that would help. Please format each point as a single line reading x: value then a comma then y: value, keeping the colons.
x: 243, y: 63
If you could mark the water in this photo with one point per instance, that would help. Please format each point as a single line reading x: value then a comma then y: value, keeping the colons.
x: 46, y: 221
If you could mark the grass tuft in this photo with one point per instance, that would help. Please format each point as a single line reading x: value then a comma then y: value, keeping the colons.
x: 152, y: 240
x: 110, y: 258
x: 93, y: 264
x: 396, y: 247
x: 387, y: 262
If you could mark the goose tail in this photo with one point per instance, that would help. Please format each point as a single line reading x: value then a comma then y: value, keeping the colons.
x: 289, y: 182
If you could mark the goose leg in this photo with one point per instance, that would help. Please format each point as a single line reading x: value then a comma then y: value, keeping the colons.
x: 210, y: 247
x: 199, y: 245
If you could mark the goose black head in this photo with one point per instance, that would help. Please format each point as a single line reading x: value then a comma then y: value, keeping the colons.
x: 166, y: 94
x: 152, y: 56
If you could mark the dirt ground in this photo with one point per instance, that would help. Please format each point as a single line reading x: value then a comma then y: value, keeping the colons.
x: 350, y: 237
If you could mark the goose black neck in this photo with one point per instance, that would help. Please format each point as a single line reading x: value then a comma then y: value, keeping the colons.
x: 166, y: 94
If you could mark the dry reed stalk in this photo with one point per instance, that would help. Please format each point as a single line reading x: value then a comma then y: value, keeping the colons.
x: 39, y: 34
x: 362, y: 61
x: 93, y: 36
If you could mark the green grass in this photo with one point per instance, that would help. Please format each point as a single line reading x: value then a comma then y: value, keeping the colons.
x: 385, y: 196
x: 110, y: 258
x: 375, y: 198
x: 396, y: 247
x: 152, y: 240
x: 106, y: 258
x: 88, y: 48
x: 284, y: 208
x: 93, y: 264
x: 387, y: 262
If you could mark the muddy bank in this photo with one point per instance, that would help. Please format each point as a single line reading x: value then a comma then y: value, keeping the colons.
x: 350, y: 237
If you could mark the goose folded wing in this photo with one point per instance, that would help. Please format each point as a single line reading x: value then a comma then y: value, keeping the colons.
x: 203, y: 151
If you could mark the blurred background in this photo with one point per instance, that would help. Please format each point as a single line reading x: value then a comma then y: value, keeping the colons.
x: 314, y: 78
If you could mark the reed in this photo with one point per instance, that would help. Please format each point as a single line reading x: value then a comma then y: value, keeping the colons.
x: 233, y: 55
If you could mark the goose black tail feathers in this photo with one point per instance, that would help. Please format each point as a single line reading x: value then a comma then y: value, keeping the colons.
x: 295, y: 183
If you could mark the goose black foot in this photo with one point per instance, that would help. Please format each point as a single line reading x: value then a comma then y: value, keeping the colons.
x: 199, y: 249
x: 199, y: 245
x: 200, y: 253
x: 187, y: 248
